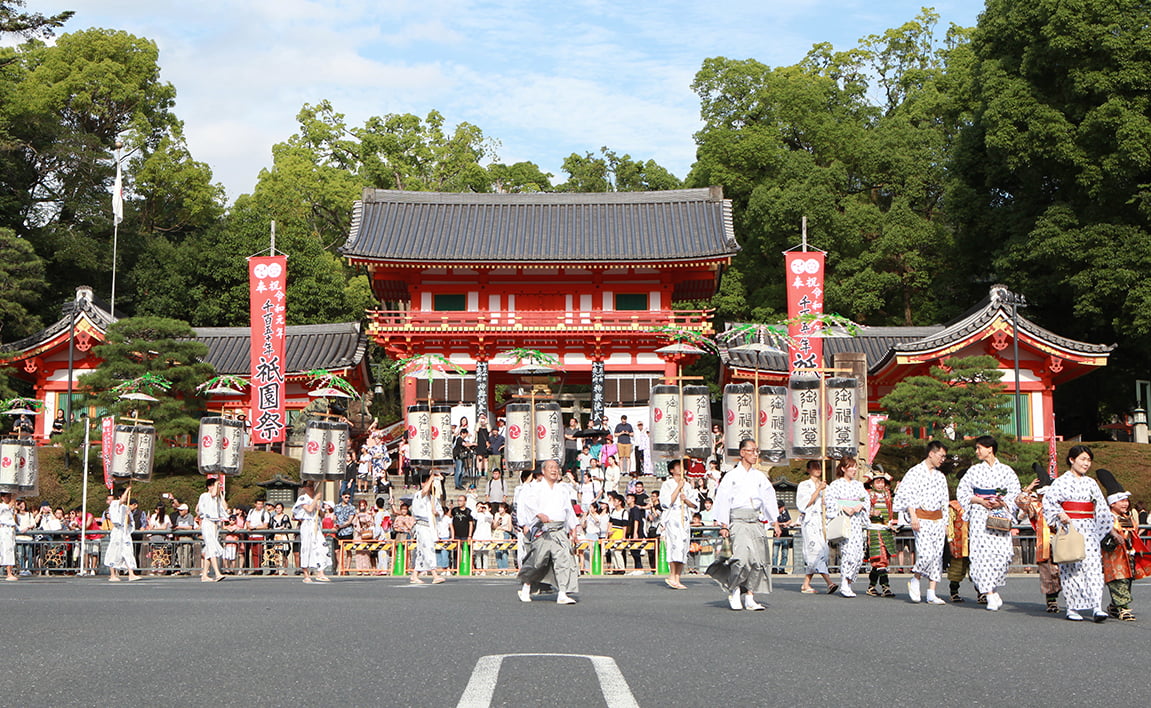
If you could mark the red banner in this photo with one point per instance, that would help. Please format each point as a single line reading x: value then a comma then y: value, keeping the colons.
x: 267, y: 280
x: 107, y: 432
x: 804, y: 297
x: 875, y: 431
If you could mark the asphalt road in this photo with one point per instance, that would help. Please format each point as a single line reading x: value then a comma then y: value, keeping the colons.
x: 275, y: 641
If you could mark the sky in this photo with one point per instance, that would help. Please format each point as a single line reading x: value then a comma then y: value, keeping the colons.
x: 544, y: 79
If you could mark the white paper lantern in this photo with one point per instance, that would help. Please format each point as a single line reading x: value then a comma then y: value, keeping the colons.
x: 697, y: 440
x: 842, y: 422
x: 806, y: 428
x: 772, y: 430
x: 738, y: 416
x: 666, y: 440
x: 518, y: 446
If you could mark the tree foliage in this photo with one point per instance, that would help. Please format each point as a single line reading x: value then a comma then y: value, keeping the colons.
x: 961, y: 399
x: 160, y: 346
x: 614, y: 173
x: 1053, y: 172
x: 856, y: 142
x: 21, y: 282
x: 15, y: 20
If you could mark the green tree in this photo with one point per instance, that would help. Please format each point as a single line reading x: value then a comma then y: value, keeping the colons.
x: 167, y: 348
x: 961, y: 399
x: 856, y: 141
x: 14, y: 20
x: 21, y: 282
x: 614, y: 173
x: 1052, y: 175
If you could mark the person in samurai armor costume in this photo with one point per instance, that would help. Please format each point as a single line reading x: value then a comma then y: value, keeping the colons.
x: 1030, y: 502
x: 880, y: 534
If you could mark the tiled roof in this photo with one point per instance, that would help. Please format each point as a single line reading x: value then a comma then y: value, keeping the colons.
x: 684, y: 224
x: 308, y: 347
x: 94, y: 309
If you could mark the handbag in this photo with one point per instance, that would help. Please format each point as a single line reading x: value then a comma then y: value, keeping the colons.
x: 1001, y: 524
x: 1067, y: 546
x: 839, y: 528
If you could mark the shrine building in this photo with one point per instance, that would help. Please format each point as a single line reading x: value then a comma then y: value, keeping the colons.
x: 586, y: 278
x: 889, y: 355
x: 41, y: 360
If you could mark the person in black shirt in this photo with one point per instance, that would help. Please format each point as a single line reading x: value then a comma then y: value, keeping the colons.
x: 782, y: 543
x: 635, y: 519
x: 463, y: 525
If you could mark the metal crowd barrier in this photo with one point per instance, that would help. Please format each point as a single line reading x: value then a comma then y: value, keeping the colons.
x: 275, y: 552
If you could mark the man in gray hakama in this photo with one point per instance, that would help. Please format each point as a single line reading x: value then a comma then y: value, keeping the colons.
x: 744, y: 501
x: 551, y: 525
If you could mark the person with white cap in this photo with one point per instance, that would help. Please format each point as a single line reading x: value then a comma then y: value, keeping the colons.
x: 1074, y: 499
x: 1030, y: 502
x: 922, y: 497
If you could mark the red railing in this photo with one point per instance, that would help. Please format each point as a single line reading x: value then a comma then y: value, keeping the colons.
x: 383, y: 321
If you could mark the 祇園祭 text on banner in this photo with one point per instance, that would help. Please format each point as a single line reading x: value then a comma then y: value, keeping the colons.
x: 267, y: 280
x: 804, y: 297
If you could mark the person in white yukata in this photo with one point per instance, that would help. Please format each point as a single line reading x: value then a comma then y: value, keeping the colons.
x: 212, y: 512
x: 809, y: 500
x: 1075, y: 499
x: 546, y: 511
x: 119, y: 555
x: 8, y: 536
x: 314, y: 555
x: 679, y: 501
x: 847, y: 495
x: 988, y: 489
x: 922, y: 497
x: 744, y: 501
x: 426, y: 511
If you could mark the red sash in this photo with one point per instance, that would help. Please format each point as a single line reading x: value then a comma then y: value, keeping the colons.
x: 1079, y: 510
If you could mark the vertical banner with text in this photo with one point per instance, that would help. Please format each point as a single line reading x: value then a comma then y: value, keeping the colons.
x: 107, y: 434
x: 267, y: 280
x: 804, y: 297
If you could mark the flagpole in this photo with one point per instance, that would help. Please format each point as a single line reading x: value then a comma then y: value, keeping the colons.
x: 84, y: 492
x: 117, y: 217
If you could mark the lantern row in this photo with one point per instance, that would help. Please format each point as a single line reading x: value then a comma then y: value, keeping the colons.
x: 222, y: 442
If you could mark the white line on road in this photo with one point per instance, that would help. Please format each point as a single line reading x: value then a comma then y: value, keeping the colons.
x: 482, y: 685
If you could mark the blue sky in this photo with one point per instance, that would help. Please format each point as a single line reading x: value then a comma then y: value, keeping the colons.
x: 544, y: 79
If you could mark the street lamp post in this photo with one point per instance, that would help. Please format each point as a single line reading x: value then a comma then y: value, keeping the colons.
x: 1016, y: 301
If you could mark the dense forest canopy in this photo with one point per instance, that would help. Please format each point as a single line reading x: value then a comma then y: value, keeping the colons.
x: 930, y: 162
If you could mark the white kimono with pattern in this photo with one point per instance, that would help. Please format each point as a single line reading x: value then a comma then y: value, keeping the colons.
x: 815, y: 551
x: 7, y: 535
x: 841, y: 493
x: 1082, y: 581
x: 424, y: 509
x: 677, y: 519
x: 990, y: 551
x: 925, y: 488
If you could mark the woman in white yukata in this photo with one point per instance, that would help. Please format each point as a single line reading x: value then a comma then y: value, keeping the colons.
x: 847, y: 495
x: 679, y: 501
x: 212, y: 512
x: 809, y: 500
x: 8, y: 536
x: 314, y: 555
x: 425, y: 510
x: 119, y: 555
x: 988, y: 489
x: 1075, y: 499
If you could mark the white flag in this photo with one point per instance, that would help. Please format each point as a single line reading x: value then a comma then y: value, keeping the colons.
x: 118, y: 196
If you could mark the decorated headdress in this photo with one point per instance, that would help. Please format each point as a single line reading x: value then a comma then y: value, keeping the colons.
x: 878, y: 473
x: 1111, y: 486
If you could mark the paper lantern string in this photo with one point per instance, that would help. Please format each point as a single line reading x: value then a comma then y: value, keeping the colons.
x: 430, y: 363
x: 687, y: 336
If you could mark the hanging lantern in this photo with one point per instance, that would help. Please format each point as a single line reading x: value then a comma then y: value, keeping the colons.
x: 335, y: 450
x: 145, y: 444
x: 772, y: 430
x: 549, y: 432
x: 805, y: 418
x: 738, y: 416
x: 234, y: 439
x: 665, y: 417
x: 697, y: 440
x: 312, y: 461
x: 518, y: 447
x: 123, y: 451
x: 419, y: 435
x: 440, y: 419
x: 10, y: 453
x: 28, y: 469
x: 842, y: 427
x: 208, y: 454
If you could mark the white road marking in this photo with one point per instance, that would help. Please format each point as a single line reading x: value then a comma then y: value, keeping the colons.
x: 482, y: 685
